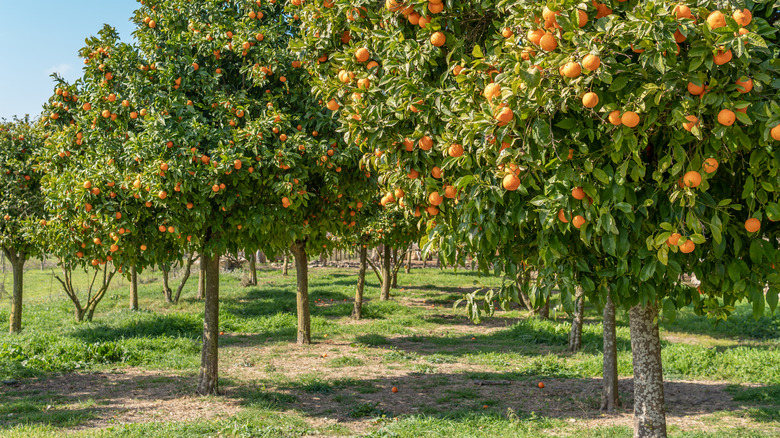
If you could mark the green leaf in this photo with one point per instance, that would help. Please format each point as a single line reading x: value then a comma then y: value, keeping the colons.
x: 619, y: 83
x: 756, y: 251
x: 477, y: 52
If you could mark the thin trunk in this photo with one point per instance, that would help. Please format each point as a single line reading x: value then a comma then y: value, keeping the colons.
x: 201, y: 279
x: 357, y: 312
x: 575, y: 336
x: 286, y: 264
x: 649, y: 415
x: 185, y: 277
x: 544, y: 311
x: 302, y: 272
x: 395, y: 267
x: 17, y: 265
x: 209, y: 358
x: 609, y: 396
x: 386, y: 274
x: 167, y: 292
x: 425, y: 261
x: 133, y: 288
x: 524, y: 279
x: 252, y: 270
x: 409, y: 260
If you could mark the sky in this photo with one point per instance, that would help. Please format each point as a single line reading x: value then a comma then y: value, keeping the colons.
x: 40, y: 37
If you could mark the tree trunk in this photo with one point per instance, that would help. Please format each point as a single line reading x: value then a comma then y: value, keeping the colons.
x: 286, y: 264
x: 610, y: 398
x: 409, y: 261
x: 201, y: 279
x: 261, y: 257
x: 209, y: 358
x: 185, y: 277
x: 357, y: 312
x: 649, y: 415
x: 252, y: 270
x: 133, y: 288
x: 386, y: 274
x: 302, y: 272
x: 575, y: 337
x: 17, y: 266
x: 394, y: 283
x: 167, y: 292
x: 544, y: 311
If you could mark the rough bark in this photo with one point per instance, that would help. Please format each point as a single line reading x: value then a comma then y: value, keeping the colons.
x: 396, y: 267
x: 610, y: 399
x: 252, y: 270
x: 302, y: 273
x: 133, y: 288
x: 17, y: 266
x: 386, y: 274
x: 357, y: 312
x: 167, y: 292
x: 649, y: 415
x: 575, y: 336
x: 286, y: 265
x: 544, y: 311
x: 201, y: 279
x: 409, y: 260
x: 209, y: 358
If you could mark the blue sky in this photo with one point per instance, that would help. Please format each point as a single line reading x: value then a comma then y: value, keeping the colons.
x: 43, y: 36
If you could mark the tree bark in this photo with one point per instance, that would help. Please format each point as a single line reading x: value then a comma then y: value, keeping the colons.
x: 133, y: 288
x: 394, y: 283
x: 302, y: 273
x: 649, y: 415
x: 209, y: 358
x: 544, y: 311
x: 575, y: 336
x: 386, y: 274
x: 185, y: 277
x: 167, y: 292
x: 357, y: 312
x: 610, y: 398
x: 261, y: 257
x: 17, y: 266
x: 286, y: 264
x: 409, y: 260
x: 201, y: 279
x: 252, y: 270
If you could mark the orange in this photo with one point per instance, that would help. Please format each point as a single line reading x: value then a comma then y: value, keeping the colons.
x: 511, y: 182
x: 775, y: 132
x: 436, y: 172
x: 692, y: 121
x: 743, y: 17
x: 590, y: 99
x: 438, y: 39
x: 678, y: 36
x: 695, y: 89
x: 535, y: 36
x: 548, y: 42
x: 752, y: 225
x: 507, y: 33
x: 682, y: 11
x: 540, y: 385
x: 426, y: 143
x: 716, y: 19
x: 630, y: 119
x: 394, y: 389
x: 687, y: 247
x: 726, y: 117
x: 362, y: 54
x: 434, y: 198
x: 333, y: 105
x: 614, y: 118
x: 450, y: 192
x: 692, y: 179
x: 582, y: 18
x: 578, y: 193
x: 710, y: 165
x: 571, y: 70
x: 591, y: 62
x: 578, y: 221
x: 744, y: 86
x: 562, y: 216
x: 455, y: 150
x: 491, y: 91
x: 722, y: 57
x: 505, y: 116
x: 674, y: 239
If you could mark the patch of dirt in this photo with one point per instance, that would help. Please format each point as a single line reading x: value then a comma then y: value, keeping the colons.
x: 128, y: 396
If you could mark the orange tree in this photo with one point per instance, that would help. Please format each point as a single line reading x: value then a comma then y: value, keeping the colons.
x: 21, y: 205
x: 644, y: 131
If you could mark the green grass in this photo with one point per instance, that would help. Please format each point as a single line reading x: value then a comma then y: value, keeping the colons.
x: 418, y: 340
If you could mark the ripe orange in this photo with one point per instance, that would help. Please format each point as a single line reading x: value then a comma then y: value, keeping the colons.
x: 743, y: 17
x: 695, y: 89
x: 450, y: 192
x: 333, y: 105
x: 578, y: 221
x: 752, y: 225
x: 455, y: 150
x: 722, y: 57
x: 507, y: 33
x: 426, y: 143
x: 436, y: 172
x: 692, y: 179
x: 591, y: 62
x: 744, y: 86
x: 535, y: 36
x: 571, y: 69
x: 687, y: 247
x: 540, y: 385
x: 511, y: 182
x: 435, y: 198
x: 614, y: 118
x: 578, y: 193
x: 590, y: 99
x: 692, y: 121
x: 548, y: 42
x: 582, y: 18
x: 716, y: 19
x: 726, y: 117
x: 491, y: 91
x: 674, y: 239
x: 562, y: 216
x: 775, y: 132
x: 394, y: 389
x: 710, y: 165
x: 362, y: 54
x: 438, y: 39
x: 504, y: 116
x: 682, y: 11
x: 630, y: 119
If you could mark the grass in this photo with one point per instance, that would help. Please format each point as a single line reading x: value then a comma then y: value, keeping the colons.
x: 431, y: 351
